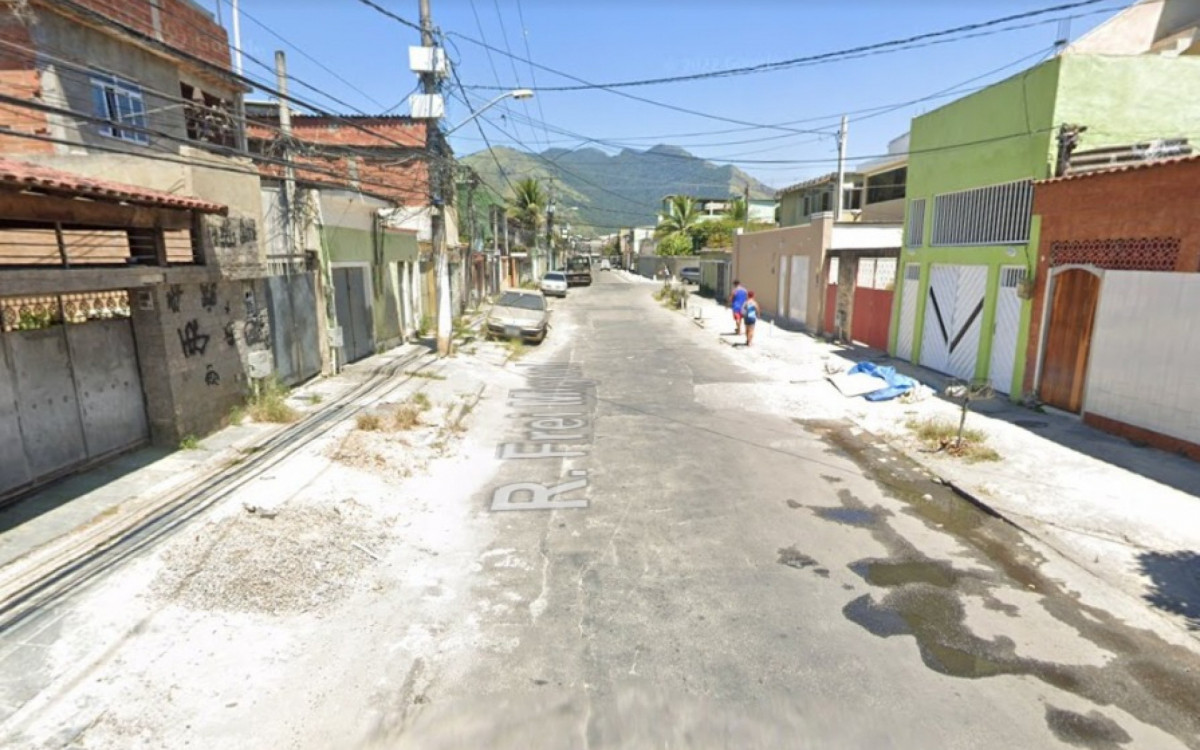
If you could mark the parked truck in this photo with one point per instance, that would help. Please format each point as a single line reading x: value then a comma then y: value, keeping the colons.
x: 579, y: 270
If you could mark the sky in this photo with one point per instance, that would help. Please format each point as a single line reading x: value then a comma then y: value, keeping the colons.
x: 346, y: 57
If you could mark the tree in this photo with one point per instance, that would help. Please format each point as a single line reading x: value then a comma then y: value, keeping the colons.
x: 715, y: 232
x: 528, y: 204
x: 681, y: 215
x: 737, y: 211
x: 678, y: 243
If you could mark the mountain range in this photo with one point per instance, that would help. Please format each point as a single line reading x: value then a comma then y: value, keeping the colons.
x: 598, y: 193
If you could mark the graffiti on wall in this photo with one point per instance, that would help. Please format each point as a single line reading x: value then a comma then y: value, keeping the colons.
x: 174, y: 296
x: 208, y: 296
x: 191, y: 340
x: 211, y: 377
x: 255, y: 330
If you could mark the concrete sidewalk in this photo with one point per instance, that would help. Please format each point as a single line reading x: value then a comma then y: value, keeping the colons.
x: 54, y: 524
x: 1129, y: 515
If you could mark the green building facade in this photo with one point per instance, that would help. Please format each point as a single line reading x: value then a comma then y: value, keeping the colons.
x: 970, y: 241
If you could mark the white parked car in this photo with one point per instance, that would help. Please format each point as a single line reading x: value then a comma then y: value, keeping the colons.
x: 519, y: 314
x: 554, y: 284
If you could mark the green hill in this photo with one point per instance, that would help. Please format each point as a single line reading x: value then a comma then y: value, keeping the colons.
x: 597, y: 192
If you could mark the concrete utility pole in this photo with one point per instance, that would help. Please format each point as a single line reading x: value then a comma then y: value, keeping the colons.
x: 440, y: 199
x: 289, y: 172
x: 841, y: 172
x: 746, y: 205
x: 550, y: 228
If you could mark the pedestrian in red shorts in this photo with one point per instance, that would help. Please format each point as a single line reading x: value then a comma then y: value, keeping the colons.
x: 737, y: 301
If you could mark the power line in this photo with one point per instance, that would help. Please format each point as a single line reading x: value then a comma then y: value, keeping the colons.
x: 304, y: 54
x: 391, y: 15
x: 167, y: 156
x: 68, y: 68
x: 492, y: 151
x: 490, y: 59
x: 532, y: 72
x: 512, y: 59
x: 891, y: 45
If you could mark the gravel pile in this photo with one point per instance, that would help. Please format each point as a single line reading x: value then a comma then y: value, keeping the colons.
x: 295, y: 560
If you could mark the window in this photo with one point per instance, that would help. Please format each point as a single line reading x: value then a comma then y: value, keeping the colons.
x: 886, y: 186
x: 120, y: 102
x: 993, y: 215
x: 916, y: 223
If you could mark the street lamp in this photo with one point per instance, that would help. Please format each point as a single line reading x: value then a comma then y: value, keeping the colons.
x: 514, y: 94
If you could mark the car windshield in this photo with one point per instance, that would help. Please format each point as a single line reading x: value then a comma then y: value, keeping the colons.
x: 522, y: 301
x: 555, y: 277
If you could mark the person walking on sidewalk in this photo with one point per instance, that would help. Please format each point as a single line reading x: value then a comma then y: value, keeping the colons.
x: 750, y: 316
x: 737, y: 301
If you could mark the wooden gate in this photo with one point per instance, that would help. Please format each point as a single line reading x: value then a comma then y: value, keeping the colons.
x: 1068, y: 338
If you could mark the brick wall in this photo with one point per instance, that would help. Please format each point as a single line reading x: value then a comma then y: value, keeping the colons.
x: 19, y: 78
x: 183, y: 25
x: 1146, y: 205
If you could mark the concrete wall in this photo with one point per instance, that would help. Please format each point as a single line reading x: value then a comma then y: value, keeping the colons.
x: 756, y: 264
x: 196, y: 336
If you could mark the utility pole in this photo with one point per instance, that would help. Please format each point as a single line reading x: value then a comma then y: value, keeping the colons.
x: 289, y: 172
x: 746, y: 205
x: 239, y: 99
x: 550, y: 228
x: 440, y: 199
x: 841, y: 172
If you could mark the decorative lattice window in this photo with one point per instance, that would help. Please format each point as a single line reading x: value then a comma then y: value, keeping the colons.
x: 42, y: 311
x: 992, y: 215
x: 1123, y: 254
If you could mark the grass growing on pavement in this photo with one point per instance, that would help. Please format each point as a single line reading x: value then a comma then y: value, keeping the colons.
x: 268, y: 404
x: 516, y: 348
x: 942, y: 436
x: 189, y: 443
x: 406, y: 417
x: 368, y: 422
x: 421, y: 400
x: 671, y: 295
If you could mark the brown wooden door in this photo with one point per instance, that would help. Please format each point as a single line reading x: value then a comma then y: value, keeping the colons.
x: 1068, y: 338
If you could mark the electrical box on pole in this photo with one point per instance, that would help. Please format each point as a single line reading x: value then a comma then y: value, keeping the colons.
x: 428, y: 60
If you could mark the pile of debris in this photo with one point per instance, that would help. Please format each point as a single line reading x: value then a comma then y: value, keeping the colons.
x: 295, y: 559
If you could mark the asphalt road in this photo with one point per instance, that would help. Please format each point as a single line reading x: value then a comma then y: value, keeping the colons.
x: 631, y: 551
x: 740, y: 579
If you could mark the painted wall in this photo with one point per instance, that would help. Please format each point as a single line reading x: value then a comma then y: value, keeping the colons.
x: 1141, y: 380
x: 1006, y: 132
x: 756, y: 264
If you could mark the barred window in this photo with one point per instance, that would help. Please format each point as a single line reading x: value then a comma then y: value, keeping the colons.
x: 916, y: 223
x: 993, y: 215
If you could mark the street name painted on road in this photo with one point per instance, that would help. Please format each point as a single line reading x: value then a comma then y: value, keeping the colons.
x: 556, y: 417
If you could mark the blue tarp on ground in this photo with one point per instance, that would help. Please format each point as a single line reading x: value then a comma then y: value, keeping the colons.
x: 897, y: 384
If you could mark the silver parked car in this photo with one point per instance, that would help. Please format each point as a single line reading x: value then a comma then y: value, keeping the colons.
x: 690, y: 275
x: 519, y: 314
x: 554, y: 284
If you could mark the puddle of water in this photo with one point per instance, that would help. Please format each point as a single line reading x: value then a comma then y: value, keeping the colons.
x: 848, y: 516
x: 1095, y: 730
x: 901, y: 572
x: 1152, y: 680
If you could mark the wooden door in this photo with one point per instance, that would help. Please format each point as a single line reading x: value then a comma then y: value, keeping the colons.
x: 1068, y: 338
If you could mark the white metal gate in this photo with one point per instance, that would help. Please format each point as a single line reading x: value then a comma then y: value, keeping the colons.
x: 798, y: 290
x: 1006, y: 329
x: 909, y: 293
x: 953, y: 310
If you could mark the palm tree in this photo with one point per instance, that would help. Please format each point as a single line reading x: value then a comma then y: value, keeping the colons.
x: 681, y: 215
x: 528, y: 203
x: 737, y: 211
